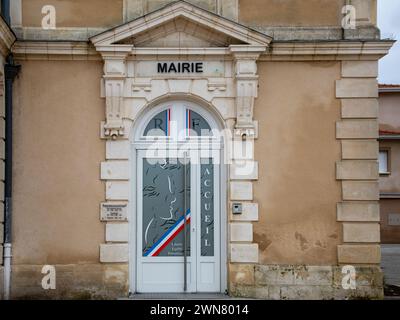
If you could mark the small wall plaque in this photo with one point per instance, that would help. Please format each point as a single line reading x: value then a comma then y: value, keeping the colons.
x: 113, y: 211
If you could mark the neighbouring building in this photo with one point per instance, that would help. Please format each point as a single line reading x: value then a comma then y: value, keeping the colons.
x: 389, y: 182
x: 200, y: 146
x: 389, y: 162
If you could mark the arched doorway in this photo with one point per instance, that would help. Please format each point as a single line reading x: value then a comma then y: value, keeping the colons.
x: 179, y: 225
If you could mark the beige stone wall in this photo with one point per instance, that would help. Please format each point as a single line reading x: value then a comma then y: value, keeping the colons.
x: 310, y: 13
x: 74, y: 13
x: 296, y: 150
x: 290, y: 13
x: 57, y: 155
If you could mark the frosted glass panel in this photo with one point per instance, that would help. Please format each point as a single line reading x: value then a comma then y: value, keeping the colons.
x: 163, y: 207
x: 159, y: 125
x: 197, y: 124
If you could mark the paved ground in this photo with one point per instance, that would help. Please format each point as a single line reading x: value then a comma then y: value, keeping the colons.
x: 391, y: 263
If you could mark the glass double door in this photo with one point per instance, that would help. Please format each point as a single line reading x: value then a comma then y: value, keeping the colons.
x: 178, y: 223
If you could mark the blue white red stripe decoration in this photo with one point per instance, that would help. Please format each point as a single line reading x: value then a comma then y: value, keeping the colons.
x: 168, y: 236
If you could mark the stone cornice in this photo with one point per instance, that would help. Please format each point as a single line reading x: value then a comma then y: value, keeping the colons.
x: 328, y: 50
x: 52, y: 50
x: 332, y: 50
x: 7, y: 37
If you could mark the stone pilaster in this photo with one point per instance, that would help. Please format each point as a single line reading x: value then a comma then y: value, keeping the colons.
x: 243, y: 169
x: 358, y: 168
x: 115, y: 171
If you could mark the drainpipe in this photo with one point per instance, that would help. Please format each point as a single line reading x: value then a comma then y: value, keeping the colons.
x: 10, y: 71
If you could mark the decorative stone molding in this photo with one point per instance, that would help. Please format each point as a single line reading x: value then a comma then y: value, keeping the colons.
x: 114, y: 83
x: 245, y: 59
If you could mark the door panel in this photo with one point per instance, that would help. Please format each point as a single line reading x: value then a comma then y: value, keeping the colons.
x: 160, y: 224
x: 208, y: 260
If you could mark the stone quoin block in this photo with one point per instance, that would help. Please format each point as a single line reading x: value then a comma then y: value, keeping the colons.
x: 241, y: 191
x: 361, y: 232
x: 357, y: 129
x: 360, y: 108
x: 362, y: 254
x: 357, y: 170
x: 356, y: 88
x: 244, y: 170
x: 244, y: 253
x: 118, y: 149
x: 359, y: 69
x: 2, y: 128
x: 117, y: 190
x: 241, y: 232
x: 115, y: 170
x: 1, y: 191
x: 358, y: 211
x: 249, y: 212
x: 2, y: 149
x: 112, y: 253
x: 360, y: 149
x: 117, y: 232
x: 360, y: 190
x: 2, y: 171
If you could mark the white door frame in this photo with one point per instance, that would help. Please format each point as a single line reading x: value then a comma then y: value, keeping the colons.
x: 132, y: 206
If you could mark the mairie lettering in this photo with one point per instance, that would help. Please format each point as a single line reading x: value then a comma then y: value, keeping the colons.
x: 180, y: 67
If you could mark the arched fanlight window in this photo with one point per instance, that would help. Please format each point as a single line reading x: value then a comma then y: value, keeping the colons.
x: 196, y: 125
x: 159, y: 125
x: 178, y: 120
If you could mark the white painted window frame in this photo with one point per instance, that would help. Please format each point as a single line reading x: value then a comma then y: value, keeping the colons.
x: 138, y: 142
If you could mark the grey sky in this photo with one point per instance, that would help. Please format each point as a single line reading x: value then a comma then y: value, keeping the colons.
x: 389, y: 23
